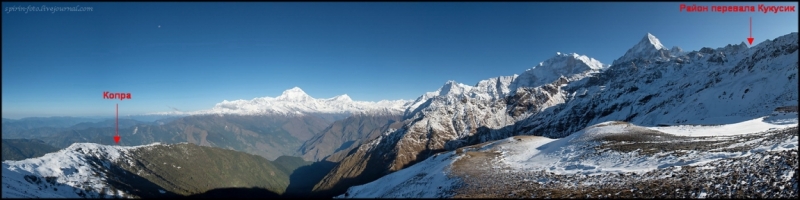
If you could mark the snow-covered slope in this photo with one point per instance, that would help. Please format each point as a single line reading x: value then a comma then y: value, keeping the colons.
x: 749, y: 126
x: 78, y: 171
x: 599, y: 157
x: 576, y: 153
x: 428, y: 179
x: 649, y: 85
x: 296, y: 101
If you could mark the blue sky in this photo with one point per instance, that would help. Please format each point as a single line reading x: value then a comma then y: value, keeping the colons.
x: 58, y: 64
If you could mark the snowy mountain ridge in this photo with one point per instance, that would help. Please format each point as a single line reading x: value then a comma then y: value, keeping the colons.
x: 68, y: 172
x: 295, y: 101
x: 471, y: 107
x: 561, y: 66
x: 88, y: 170
x: 711, y: 86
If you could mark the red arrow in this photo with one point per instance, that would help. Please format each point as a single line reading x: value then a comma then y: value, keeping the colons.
x: 116, y: 137
x: 750, y: 39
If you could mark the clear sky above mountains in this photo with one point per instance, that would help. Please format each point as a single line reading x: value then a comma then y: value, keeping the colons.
x: 190, y: 56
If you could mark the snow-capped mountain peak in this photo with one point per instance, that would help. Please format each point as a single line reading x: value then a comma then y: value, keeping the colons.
x: 343, y: 97
x: 294, y: 93
x: 452, y: 87
x: 571, y: 59
x: 561, y: 65
x: 649, y: 47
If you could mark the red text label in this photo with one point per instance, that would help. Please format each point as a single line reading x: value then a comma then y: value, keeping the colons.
x: 736, y: 8
x: 120, y: 96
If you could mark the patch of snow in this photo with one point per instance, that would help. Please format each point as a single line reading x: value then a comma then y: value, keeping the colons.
x: 427, y: 179
x: 702, y: 195
x: 574, y: 154
x: 745, y: 127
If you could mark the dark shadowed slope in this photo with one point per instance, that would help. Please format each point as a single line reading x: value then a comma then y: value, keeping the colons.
x: 346, y: 134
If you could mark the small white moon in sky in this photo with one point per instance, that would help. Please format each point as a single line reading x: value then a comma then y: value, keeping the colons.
x: 159, y: 26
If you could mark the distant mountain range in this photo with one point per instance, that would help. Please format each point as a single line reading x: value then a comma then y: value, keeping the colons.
x: 36, y: 127
x: 20, y: 149
x: 267, y: 136
x: 38, y: 122
x: 267, y: 126
x: 295, y: 101
x: 27, y: 128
